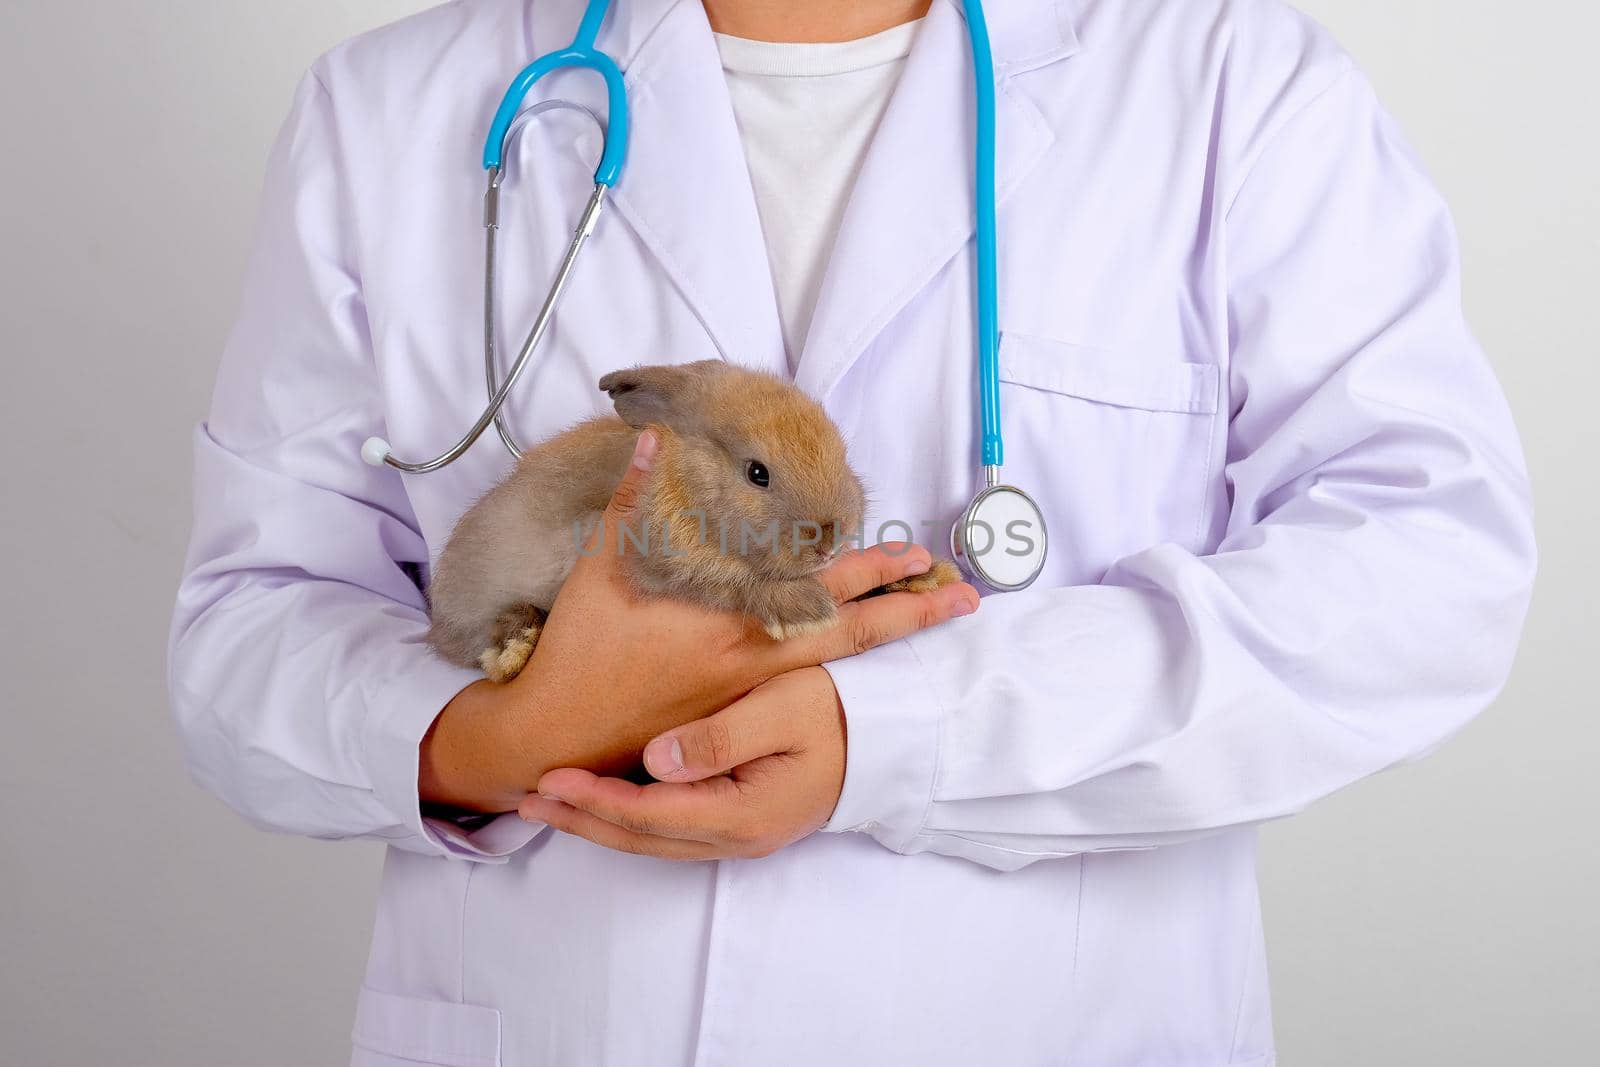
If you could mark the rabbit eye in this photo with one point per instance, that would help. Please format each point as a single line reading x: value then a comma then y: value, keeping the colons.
x: 758, y: 474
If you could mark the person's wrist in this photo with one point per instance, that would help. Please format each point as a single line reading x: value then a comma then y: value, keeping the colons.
x: 832, y: 723
x: 462, y: 759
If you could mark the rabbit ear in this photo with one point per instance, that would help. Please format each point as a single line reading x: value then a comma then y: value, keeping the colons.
x: 659, y: 394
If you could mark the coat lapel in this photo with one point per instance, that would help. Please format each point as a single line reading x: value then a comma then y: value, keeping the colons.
x: 911, y: 211
x: 685, y: 190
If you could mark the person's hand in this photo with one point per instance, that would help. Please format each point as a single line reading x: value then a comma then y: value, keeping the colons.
x: 611, y: 671
x: 758, y: 775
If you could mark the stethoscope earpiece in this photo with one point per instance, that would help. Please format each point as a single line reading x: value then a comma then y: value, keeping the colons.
x: 375, y: 451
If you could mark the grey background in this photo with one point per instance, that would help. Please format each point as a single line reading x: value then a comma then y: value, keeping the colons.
x: 1442, y: 914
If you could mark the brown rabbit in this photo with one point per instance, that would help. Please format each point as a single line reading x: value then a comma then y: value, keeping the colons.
x: 750, y: 496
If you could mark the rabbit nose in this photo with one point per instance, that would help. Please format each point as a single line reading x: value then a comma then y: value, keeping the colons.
x: 813, y: 540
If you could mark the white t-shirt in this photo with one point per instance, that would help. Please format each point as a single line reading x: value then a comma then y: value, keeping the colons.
x: 806, y: 114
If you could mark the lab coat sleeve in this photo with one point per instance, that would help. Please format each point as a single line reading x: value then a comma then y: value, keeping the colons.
x: 297, y: 670
x: 1364, y: 601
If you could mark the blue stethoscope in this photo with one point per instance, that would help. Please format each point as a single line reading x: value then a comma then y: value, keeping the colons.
x: 1000, y: 538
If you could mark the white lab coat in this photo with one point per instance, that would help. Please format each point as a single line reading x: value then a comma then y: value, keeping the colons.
x: 1290, y: 533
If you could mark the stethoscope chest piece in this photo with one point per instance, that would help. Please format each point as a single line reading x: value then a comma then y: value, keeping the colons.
x: 1001, y: 539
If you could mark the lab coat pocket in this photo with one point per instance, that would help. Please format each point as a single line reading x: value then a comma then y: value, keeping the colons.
x: 1116, y: 447
x: 392, y: 1030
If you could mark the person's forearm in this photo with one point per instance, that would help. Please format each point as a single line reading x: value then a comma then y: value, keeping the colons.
x: 457, y: 764
x: 612, y: 671
x: 491, y: 744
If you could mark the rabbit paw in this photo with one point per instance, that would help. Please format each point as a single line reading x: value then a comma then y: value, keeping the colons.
x: 779, y: 630
x: 943, y: 572
x: 516, y: 633
x: 797, y: 609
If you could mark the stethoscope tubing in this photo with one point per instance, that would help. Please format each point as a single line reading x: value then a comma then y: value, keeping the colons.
x: 376, y: 451
x: 583, y: 53
x: 987, y: 241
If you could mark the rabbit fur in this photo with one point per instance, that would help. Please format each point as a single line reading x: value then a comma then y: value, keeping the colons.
x: 704, y: 530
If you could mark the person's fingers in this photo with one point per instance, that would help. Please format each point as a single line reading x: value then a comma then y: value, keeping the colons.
x: 607, y: 538
x: 625, y: 497
x: 751, y: 727
x: 711, y: 811
x: 571, y: 820
x: 866, y: 624
x: 860, y: 571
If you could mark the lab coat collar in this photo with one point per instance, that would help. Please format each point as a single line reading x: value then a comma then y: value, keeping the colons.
x: 686, y: 189
x: 911, y: 211
x: 1025, y: 34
